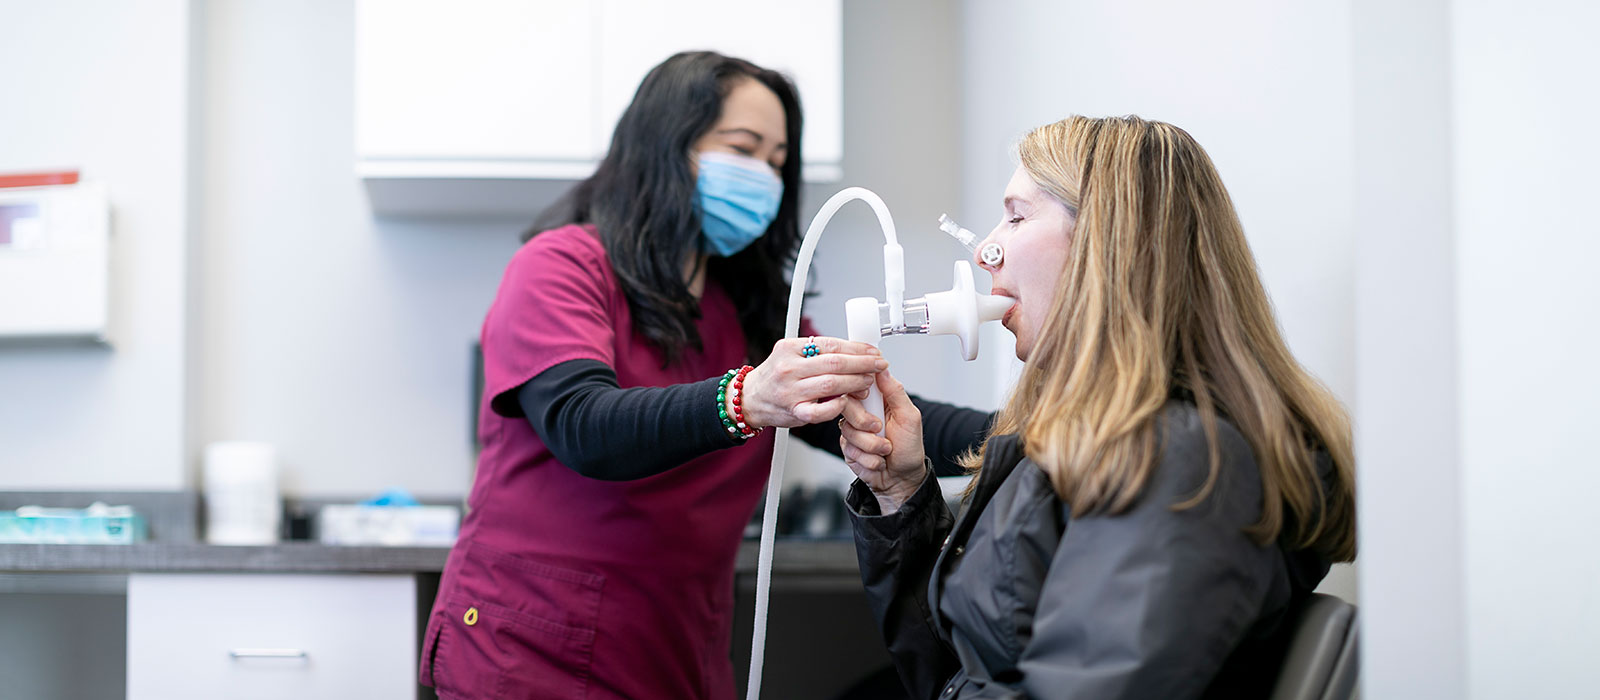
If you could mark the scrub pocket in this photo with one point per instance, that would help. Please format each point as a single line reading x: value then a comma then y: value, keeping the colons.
x: 512, y: 628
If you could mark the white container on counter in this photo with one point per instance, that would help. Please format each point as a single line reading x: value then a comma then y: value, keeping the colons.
x: 241, y: 492
x: 393, y: 526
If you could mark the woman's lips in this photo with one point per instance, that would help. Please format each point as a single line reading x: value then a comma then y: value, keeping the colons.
x: 1005, y: 320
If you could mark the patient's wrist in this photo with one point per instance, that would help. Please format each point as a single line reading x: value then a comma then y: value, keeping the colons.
x: 892, y: 498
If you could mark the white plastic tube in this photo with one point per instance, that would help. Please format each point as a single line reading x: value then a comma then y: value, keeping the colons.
x: 894, y: 281
x: 894, y: 275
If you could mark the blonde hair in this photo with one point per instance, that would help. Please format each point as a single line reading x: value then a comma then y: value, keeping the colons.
x: 1160, y: 293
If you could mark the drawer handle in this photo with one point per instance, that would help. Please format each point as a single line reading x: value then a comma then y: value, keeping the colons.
x: 267, y: 653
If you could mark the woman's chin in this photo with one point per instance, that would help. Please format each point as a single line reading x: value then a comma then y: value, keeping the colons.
x: 1022, y: 348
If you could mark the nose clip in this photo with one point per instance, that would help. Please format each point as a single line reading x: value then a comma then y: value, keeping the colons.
x: 992, y: 254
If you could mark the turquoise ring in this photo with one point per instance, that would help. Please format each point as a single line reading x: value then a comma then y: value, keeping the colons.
x: 810, y: 350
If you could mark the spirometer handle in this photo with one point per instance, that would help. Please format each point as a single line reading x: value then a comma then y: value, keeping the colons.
x: 874, y: 405
x: 861, y: 318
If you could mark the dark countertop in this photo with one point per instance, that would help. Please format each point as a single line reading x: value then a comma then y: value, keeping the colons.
x: 173, y: 519
x: 293, y: 557
x: 828, y: 557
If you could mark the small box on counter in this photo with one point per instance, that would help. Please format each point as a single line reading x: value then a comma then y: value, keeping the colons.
x: 97, y: 524
x: 388, y: 525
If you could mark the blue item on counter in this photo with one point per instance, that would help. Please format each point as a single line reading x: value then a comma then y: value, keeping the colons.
x: 97, y: 524
x: 393, y: 497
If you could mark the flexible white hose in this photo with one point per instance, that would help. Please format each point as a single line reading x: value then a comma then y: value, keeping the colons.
x: 780, y: 443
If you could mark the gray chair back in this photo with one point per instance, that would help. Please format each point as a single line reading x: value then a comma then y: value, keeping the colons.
x: 1321, y: 663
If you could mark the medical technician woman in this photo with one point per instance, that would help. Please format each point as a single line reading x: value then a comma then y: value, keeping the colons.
x: 623, y: 434
x: 1166, y: 484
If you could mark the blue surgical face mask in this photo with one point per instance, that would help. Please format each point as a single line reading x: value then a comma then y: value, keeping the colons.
x: 739, y: 197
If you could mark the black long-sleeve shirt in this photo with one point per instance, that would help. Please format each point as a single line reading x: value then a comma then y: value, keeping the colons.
x: 603, y: 431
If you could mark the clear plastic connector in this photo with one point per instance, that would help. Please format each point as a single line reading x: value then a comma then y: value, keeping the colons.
x: 915, y: 319
x: 962, y: 236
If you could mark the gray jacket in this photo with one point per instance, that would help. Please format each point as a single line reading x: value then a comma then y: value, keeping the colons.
x: 1033, y: 602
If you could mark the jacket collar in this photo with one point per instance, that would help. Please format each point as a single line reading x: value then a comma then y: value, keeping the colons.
x: 1001, y: 456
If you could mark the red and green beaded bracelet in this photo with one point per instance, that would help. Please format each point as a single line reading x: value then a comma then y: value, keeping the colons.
x: 732, y: 385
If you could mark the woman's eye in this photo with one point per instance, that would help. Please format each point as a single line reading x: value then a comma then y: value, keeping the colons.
x: 1014, y: 220
x: 741, y: 150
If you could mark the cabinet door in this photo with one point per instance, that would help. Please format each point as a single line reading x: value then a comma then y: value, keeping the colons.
x: 801, y: 39
x: 246, y: 636
x: 475, y: 80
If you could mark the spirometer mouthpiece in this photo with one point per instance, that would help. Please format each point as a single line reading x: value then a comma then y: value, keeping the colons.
x: 961, y: 310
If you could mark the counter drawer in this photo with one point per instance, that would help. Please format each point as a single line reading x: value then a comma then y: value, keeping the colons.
x: 271, y: 636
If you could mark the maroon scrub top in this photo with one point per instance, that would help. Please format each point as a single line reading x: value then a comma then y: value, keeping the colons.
x: 562, y: 586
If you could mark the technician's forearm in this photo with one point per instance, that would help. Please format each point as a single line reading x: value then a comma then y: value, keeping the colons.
x: 605, y: 432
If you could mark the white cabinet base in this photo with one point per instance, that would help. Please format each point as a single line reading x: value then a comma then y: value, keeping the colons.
x: 247, y: 636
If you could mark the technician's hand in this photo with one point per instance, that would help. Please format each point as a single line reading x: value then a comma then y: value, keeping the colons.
x: 790, y: 390
x: 892, y: 465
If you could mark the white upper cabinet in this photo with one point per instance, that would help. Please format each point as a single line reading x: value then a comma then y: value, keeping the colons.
x: 475, y: 79
x: 800, y: 39
x: 449, y: 94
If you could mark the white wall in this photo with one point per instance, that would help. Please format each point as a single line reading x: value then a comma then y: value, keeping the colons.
x: 1263, y: 86
x: 1408, y: 477
x: 1476, y: 239
x: 103, y: 88
x: 1527, y: 242
x: 343, y: 340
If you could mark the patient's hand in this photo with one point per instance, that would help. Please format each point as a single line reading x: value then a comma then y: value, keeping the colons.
x: 892, y: 465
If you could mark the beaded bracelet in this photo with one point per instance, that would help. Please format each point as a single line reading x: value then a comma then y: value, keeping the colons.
x: 732, y: 385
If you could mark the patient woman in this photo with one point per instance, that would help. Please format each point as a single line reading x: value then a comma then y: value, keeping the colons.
x: 1166, y: 483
